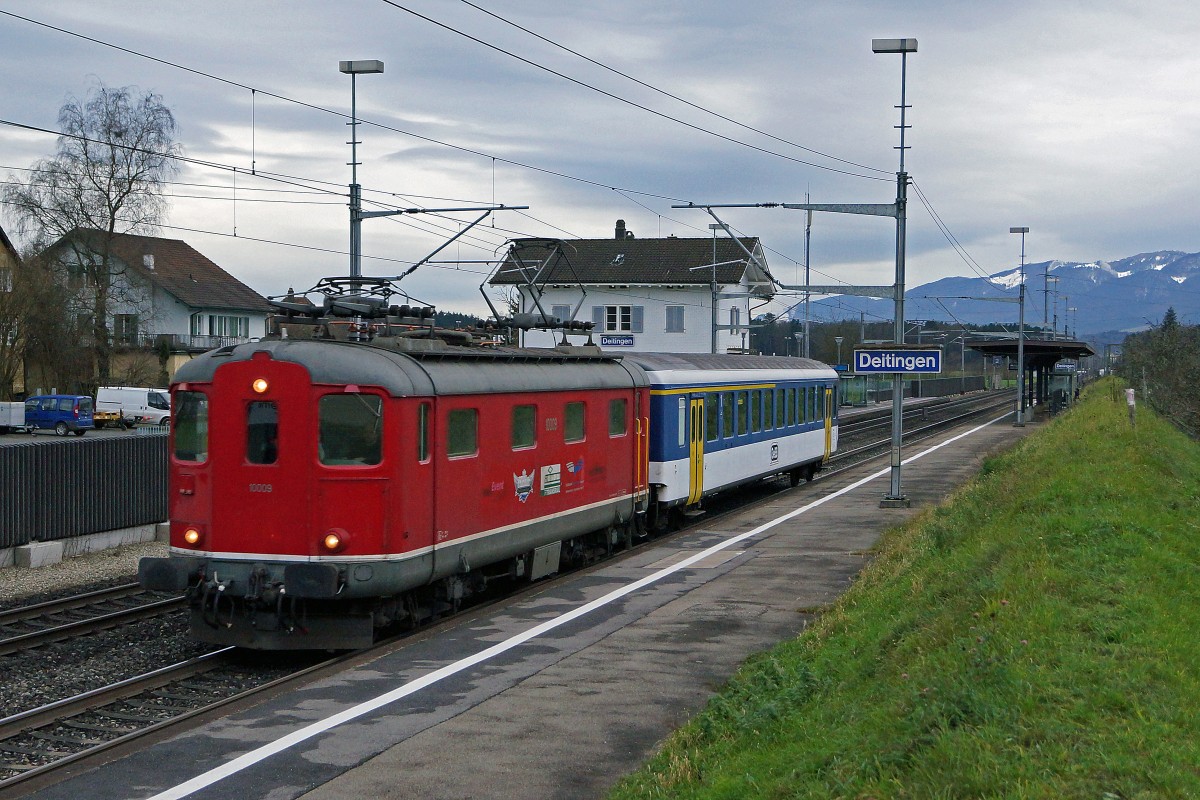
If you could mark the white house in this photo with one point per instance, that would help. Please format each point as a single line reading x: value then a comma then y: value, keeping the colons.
x: 646, y: 295
x: 164, y: 288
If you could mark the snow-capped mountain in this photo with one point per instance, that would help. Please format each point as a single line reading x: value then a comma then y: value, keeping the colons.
x: 1126, y: 294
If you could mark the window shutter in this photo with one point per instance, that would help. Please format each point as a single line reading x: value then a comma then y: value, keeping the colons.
x: 598, y: 317
x: 635, y: 318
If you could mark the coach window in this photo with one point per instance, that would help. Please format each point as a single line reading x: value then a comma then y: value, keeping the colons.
x: 727, y: 414
x: 349, y: 429
x: 573, y: 423
x: 618, y: 425
x: 755, y: 410
x: 743, y: 414
x: 262, y: 432
x: 681, y: 422
x: 524, y: 426
x: 191, y: 426
x: 462, y: 432
x: 790, y: 406
x: 423, y: 432
x: 712, y: 417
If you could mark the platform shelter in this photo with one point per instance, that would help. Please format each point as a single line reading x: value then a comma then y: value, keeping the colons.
x: 1041, y: 355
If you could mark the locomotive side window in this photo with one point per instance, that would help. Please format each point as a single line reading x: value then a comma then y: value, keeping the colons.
x: 191, y: 426
x: 423, y: 432
x: 524, y: 428
x: 727, y: 414
x: 262, y: 432
x: 349, y: 429
x: 574, y: 430
x: 712, y: 418
x: 462, y: 432
x: 618, y: 425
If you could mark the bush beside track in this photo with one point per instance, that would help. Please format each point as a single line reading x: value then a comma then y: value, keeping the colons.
x: 1033, y: 637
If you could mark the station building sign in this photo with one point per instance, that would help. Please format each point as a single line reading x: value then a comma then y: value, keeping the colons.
x: 921, y: 361
x: 616, y: 340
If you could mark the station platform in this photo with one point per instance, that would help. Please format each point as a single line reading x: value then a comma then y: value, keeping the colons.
x: 564, y: 691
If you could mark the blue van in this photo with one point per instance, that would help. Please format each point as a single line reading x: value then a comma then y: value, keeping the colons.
x: 61, y: 413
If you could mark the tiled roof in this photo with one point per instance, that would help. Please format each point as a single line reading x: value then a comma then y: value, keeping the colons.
x: 669, y: 261
x: 181, y: 270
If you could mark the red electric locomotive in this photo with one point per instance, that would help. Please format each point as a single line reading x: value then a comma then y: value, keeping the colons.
x: 322, y: 488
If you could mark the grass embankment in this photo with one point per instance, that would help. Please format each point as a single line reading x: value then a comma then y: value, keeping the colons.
x: 1037, y: 636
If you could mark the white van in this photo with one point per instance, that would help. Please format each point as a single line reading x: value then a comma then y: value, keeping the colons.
x: 138, y: 404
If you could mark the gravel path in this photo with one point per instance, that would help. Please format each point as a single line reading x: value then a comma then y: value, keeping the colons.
x: 22, y: 585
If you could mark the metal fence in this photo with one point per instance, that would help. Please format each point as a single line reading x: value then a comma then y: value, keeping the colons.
x: 62, y: 488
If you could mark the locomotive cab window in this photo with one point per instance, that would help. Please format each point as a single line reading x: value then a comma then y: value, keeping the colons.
x: 423, y: 432
x: 618, y: 425
x: 262, y: 432
x: 350, y: 428
x: 191, y: 426
x: 524, y: 427
x: 573, y: 429
x: 462, y: 432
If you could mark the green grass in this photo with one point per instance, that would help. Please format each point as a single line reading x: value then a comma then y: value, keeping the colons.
x: 1038, y: 636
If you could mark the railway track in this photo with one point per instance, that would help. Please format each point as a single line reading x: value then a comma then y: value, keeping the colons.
x: 35, y: 743
x: 80, y: 615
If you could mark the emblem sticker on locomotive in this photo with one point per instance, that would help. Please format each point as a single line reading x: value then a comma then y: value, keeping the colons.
x: 551, y: 479
x: 574, y: 480
x: 524, y: 484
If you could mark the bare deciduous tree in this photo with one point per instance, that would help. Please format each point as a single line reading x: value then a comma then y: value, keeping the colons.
x: 115, y: 151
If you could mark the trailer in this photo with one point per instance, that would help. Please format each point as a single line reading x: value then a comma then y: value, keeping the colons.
x: 12, y: 417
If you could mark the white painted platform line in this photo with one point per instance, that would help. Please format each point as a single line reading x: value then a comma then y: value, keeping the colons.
x: 317, y: 728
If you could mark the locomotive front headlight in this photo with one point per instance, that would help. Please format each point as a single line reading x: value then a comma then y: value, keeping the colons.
x: 192, y: 536
x: 260, y: 385
x: 334, y: 540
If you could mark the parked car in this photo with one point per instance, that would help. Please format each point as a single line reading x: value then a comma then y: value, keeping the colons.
x: 61, y: 413
x: 137, y: 404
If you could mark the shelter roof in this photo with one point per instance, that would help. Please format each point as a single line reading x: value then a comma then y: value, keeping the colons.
x: 1038, y: 352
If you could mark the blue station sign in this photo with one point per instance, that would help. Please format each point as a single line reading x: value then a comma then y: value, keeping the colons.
x: 923, y: 361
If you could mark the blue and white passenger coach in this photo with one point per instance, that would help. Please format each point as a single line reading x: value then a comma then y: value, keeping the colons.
x: 720, y: 421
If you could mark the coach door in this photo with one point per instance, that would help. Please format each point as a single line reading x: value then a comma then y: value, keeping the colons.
x: 828, y: 421
x: 696, y: 449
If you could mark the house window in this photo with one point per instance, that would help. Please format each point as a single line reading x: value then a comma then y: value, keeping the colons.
x: 618, y: 319
x: 125, y: 328
x: 224, y: 325
x: 674, y: 319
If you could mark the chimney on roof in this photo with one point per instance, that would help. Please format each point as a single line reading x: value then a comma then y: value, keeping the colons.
x: 621, y: 233
x: 148, y: 261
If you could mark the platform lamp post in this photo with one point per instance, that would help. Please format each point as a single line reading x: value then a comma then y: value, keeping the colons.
x: 354, y: 69
x: 894, y: 497
x: 1072, y: 311
x: 1021, y: 335
x: 838, y: 341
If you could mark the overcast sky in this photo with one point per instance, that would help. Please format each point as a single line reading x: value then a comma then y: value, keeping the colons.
x: 1077, y: 119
